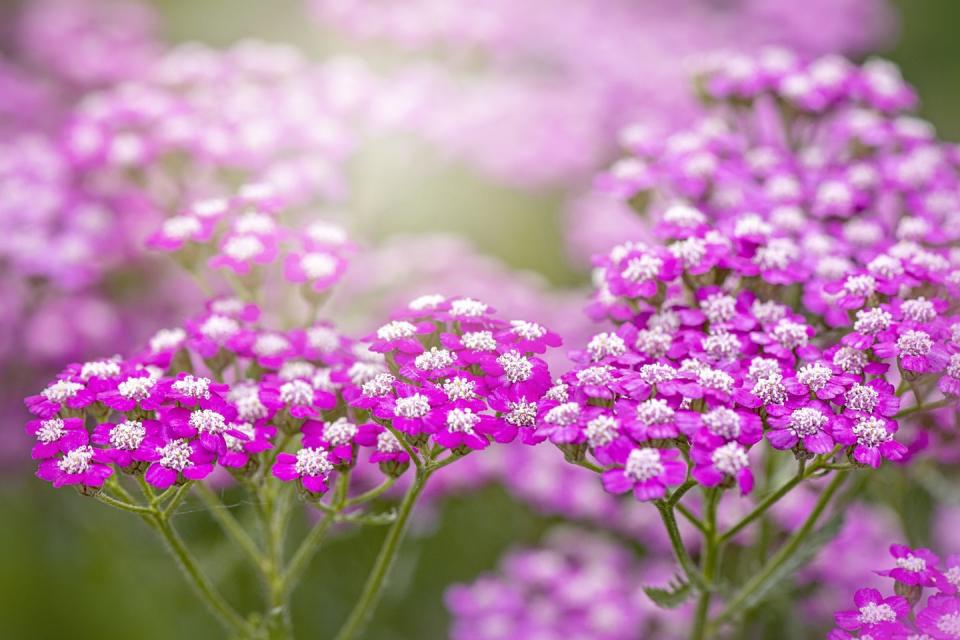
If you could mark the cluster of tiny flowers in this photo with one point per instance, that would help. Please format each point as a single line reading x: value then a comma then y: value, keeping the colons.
x: 445, y: 373
x: 219, y: 391
x: 243, y: 235
x: 771, y: 309
x: 459, y: 377
x: 925, y: 604
x: 576, y: 585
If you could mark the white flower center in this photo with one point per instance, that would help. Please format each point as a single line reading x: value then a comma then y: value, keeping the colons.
x: 297, y: 393
x: 270, y: 344
x: 415, y: 406
x: 459, y: 388
x: 294, y: 369
x: 323, y: 339
x: 318, y: 265
x: 246, y: 398
x: 595, y: 376
x: 379, y: 386
x: 165, y: 340
x: 99, y: 369
x: 313, y: 462
x: 50, y: 431
x: 814, y: 376
x: 871, y: 431
x: 862, y: 398
x: 76, y: 461
x: 479, y: 341
x: 723, y: 422
x: 181, y: 227
x: 603, y: 345
x: 721, y: 345
x: 423, y: 303
x: 175, y: 455
x: 719, y: 308
x: 563, y: 415
x: 950, y: 624
x: 601, y: 431
x: 527, y: 330
x: 642, y: 268
x: 873, y: 613
x: 715, y: 379
x: 388, y: 443
x: 61, y: 390
x: 653, y: 342
x: 643, y: 465
x: 434, y: 359
x: 656, y: 373
x: 233, y: 442
x: 522, y: 413
x: 243, y: 248
x: 790, y: 334
x: 516, y: 367
x: 137, y: 388
x: 467, y: 308
x: 915, y: 343
x: 861, y: 285
x: 557, y: 393
x: 730, y: 459
x: 462, y: 420
x: 208, y: 421
x: 763, y: 368
x: 807, y: 421
x: 850, y: 360
x: 396, y: 330
x: 194, y: 387
x: 219, y: 328
x: 127, y: 435
x: 654, y: 411
x: 912, y: 563
x: 339, y: 432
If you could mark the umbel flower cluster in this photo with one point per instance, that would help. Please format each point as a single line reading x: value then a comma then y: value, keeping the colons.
x: 925, y: 603
x: 793, y: 303
x: 788, y: 320
x: 285, y: 411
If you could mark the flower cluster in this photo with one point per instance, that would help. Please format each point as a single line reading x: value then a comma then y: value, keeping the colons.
x: 782, y: 303
x: 576, y: 585
x: 459, y: 376
x: 911, y: 612
x: 242, y: 236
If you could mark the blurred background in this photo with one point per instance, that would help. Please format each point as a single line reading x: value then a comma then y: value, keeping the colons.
x: 484, y: 142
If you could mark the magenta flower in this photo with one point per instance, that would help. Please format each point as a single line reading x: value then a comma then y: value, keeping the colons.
x: 125, y: 443
x: 178, y: 460
x: 916, y: 567
x: 400, y: 335
x: 462, y: 425
x: 916, y: 350
x: 63, y: 393
x: 409, y: 411
x: 529, y: 337
x: 716, y: 461
x: 871, y: 438
x: 55, y: 436
x: 241, y: 252
x: 647, y: 471
x: 82, y: 465
x: 873, y: 611
x: 337, y: 438
x: 940, y: 618
x: 310, y: 467
x: 320, y: 269
x: 640, y: 271
x: 252, y: 439
x: 138, y: 390
x: 730, y: 424
x: 810, y: 423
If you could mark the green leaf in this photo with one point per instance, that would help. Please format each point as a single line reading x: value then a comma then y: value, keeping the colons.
x: 808, y: 549
x: 676, y: 593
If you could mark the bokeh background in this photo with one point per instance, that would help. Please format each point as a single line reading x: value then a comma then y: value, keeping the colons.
x: 75, y: 569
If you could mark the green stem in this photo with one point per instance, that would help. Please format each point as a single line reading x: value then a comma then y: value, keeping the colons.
x: 230, y: 525
x: 679, y: 550
x: 708, y: 564
x: 784, y: 554
x: 364, y: 607
x: 945, y: 402
x: 762, y: 507
x: 120, y: 504
x: 376, y: 492
x: 308, y: 547
x: 225, y: 613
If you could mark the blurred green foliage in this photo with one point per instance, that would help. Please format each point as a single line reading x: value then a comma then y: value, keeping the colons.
x: 73, y: 568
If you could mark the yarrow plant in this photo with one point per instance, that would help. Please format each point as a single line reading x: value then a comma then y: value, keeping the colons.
x: 797, y: 306
x: 300, y: 411
x: 924, y: 605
